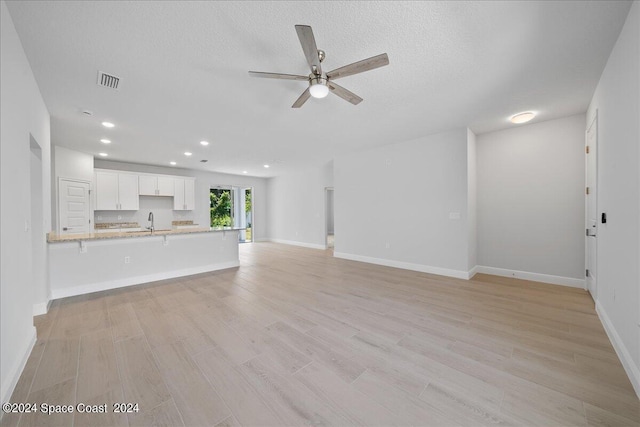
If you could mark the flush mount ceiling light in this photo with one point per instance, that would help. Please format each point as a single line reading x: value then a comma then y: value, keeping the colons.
x: 522, y: 117
x: 105, y: 141
x: 266, y: 166
x: 172, y: 163
x: 103, y: 154
x: 205, y: 143
x: 187, y: 153
x: 108, y: 124
x: 244, y: 172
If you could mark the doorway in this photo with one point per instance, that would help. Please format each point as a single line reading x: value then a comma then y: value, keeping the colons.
x: 591, y: 203
x: 329, y: 219
x: 232, y: 206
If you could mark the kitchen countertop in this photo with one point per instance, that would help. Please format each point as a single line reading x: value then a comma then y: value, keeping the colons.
x: 55, y: 238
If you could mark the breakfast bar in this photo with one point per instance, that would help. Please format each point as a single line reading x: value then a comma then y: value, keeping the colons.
x: 85, y: 263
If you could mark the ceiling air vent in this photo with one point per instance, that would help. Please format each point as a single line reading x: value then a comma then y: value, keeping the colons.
x: 204, y: 161
x: 108, y: 80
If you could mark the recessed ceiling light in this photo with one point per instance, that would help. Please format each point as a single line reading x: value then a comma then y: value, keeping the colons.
x: 103, y: 154
x: 522, y: 117
x: 266, y: 166
x: 105, y: 141
x: 244, y: 171
x: 205, y: 143
x: 172, y: 163
x: 108, y: 124
x: 187, y: 153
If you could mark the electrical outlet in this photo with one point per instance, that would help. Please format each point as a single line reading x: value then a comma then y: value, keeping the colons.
x: 99, y: 217
x: 165, y: 241
x: 127, y: 260
x: 454, y: 215
x: 387, y: 245
x: 83, y: 247
x: 119, y: 217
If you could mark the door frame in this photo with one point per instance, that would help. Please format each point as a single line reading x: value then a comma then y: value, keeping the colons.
x: 593, y: 122
x: 91, y: 202
x: 326, y: 215
x: 250, y: 188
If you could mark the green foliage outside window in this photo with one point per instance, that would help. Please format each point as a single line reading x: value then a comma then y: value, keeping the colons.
x: 220, y: 208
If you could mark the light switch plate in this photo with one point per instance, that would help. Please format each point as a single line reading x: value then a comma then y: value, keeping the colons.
x: 454, y: 215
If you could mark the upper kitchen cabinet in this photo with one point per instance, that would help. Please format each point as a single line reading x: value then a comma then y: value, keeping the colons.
x: 116, y: 191
x: 184, y: 194
x: 153, y: 185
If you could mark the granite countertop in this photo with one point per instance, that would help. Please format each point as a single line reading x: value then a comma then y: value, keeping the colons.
x: 55, y: 238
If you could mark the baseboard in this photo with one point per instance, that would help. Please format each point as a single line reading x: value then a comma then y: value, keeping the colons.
x: 10, y: 381
x: 633, y: 372
x: 404, y: 265
x: 295, y: 243
x: 137, y: 280
x: 472, y: 272
x: 536, y: 277
x: 41, y: 308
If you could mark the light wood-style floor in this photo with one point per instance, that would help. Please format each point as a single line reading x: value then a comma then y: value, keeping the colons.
x: 297, y: 337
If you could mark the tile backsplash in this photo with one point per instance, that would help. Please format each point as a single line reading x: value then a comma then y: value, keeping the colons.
x: 162, y: 208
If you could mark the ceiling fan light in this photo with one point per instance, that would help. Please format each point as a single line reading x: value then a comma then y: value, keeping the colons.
x: 319, y: 91
x: 319, y: 88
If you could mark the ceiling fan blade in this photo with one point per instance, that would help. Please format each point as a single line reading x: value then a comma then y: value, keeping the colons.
x: 277, y: 76
x: 302, y: 99
x: 345, y: 94
x: 359, y: 67
x: 308, y: 42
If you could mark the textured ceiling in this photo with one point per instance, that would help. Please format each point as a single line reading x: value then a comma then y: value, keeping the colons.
x: 184, y: 76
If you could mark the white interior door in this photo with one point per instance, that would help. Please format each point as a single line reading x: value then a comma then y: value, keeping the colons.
x: 75, y: 207
x: 592, y: 208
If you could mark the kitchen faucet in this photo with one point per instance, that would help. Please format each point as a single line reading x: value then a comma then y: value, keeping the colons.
x: 151, y: 219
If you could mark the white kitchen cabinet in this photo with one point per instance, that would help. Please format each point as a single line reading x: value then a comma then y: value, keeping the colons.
x: 184, y: 194
x: 128, y: 192
x: 116, y: 191
x: 151, y: 185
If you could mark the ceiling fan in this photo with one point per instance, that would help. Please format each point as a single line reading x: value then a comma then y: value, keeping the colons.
x: 320, y: 84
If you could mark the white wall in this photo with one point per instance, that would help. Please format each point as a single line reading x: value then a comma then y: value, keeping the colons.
x: 24, y: 117
x: 531, y: 201
x: 617, y: 103
x: 204, y: 182
x: 68, y: 164
x: 297, y: 206
x: 393, y: 204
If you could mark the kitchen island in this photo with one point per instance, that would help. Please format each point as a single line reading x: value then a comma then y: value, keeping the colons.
x: 85, y: 263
